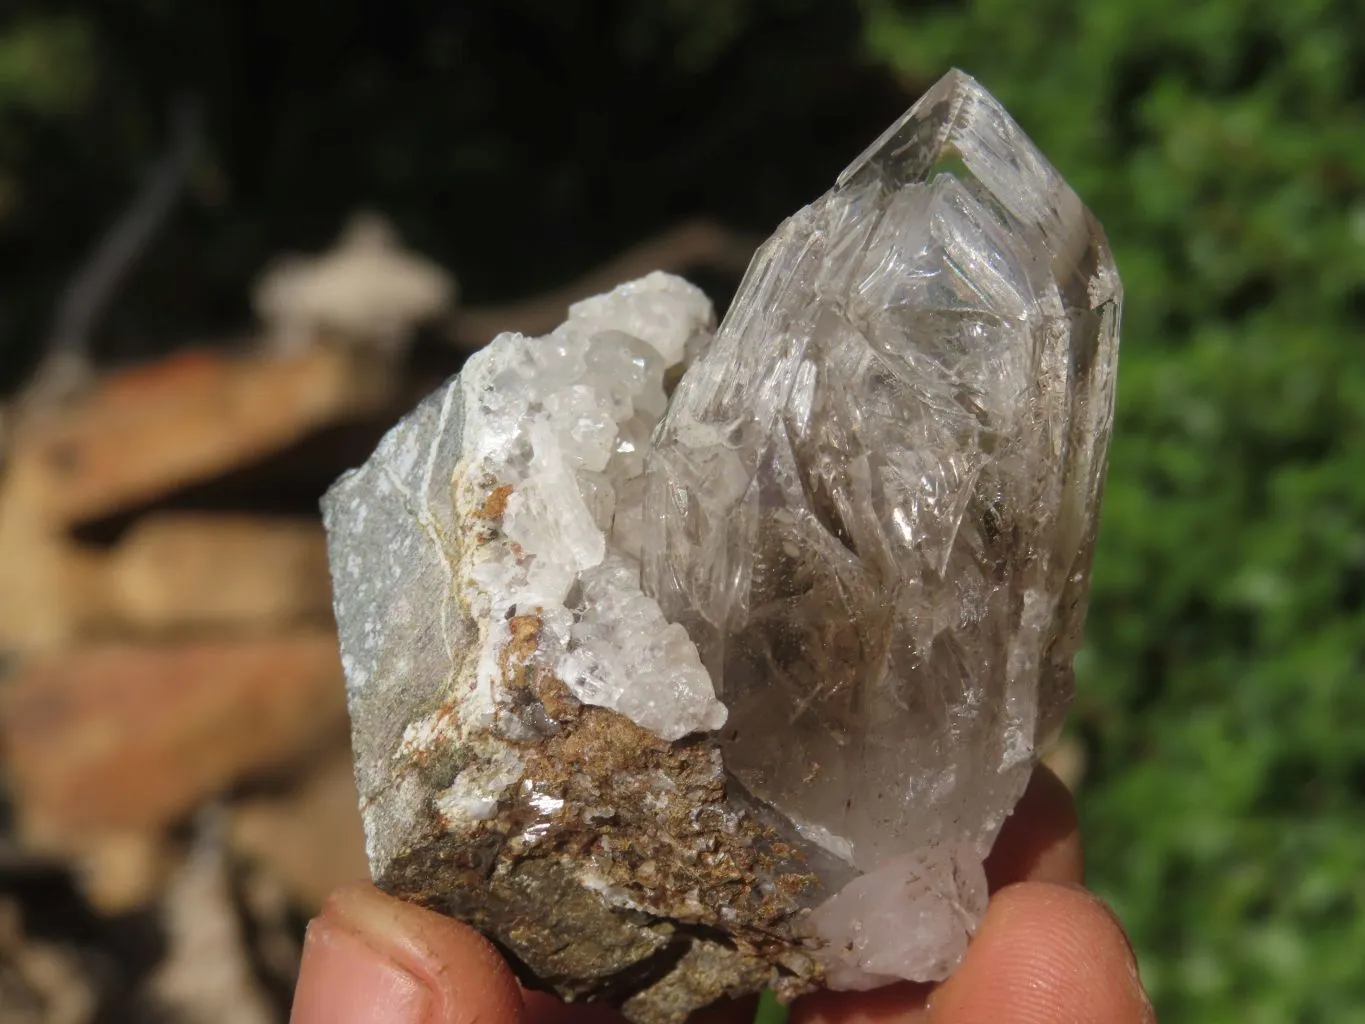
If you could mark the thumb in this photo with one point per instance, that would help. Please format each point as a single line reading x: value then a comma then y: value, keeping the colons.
x: 373, y: 959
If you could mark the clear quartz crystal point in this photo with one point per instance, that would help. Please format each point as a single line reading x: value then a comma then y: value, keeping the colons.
x: 872, y: 504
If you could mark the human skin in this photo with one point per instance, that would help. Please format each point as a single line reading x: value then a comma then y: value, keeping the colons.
x: 1047, y: 952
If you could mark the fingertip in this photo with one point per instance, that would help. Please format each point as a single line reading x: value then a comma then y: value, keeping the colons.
x: 1045, y: 953
x: 370, y: 958
x: 1041, y: 840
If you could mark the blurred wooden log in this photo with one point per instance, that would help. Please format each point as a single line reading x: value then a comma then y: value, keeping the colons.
x: 310, y: 839
x: 148, y: 431
x: 122, y: 871
x: 207, y: 974
x: 49, y: 590
x: 131, y: 738
x: 229, y: 572
x: 40, y: 983
x: 135, y: 438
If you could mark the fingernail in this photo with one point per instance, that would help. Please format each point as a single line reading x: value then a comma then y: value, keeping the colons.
x: 345, y: 980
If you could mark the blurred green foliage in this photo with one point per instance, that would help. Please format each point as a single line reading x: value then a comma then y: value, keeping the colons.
x: 44, y: 65
x: 44, y: 74
x: 1222, y: 691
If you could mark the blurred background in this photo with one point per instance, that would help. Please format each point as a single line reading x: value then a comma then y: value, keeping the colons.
x: 172, y: 739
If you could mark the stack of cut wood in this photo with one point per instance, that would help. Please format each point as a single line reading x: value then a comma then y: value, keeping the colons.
x: 173, y: 733
x: 178, y: 796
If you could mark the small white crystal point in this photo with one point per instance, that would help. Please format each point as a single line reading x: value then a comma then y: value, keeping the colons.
x: 660, y: 309
x: 911, y: 918
x: 625, y: 655
x: 560, y: 424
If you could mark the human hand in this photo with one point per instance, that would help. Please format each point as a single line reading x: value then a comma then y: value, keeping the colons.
x: 1047, y: 952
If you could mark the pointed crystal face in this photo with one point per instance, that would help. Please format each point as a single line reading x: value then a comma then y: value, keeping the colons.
x: 872, y: 500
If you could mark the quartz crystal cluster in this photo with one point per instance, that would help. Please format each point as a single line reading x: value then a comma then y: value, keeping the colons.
x: 679, y: 697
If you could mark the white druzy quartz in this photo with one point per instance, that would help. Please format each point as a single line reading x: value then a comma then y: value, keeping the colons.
x: 560, y: 424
